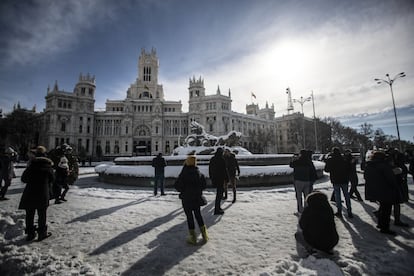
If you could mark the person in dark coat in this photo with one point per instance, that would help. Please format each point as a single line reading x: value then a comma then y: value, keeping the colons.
x: 39, y: 177
x: 191, y: 184
x: 381, y: 186
x: 7, y: 157
x: 159, y: 164
x: 318, y: 224
x: 353, y: 176
x: 233, y: 170
x: 338, y: 170
x: 304, y: 174
x: 397, y: 161
x: 219, y: 176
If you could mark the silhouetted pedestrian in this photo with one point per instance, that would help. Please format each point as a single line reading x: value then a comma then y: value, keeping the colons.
x: 304, y: 174
x: 381, y: 186
x: 39, y: 177
x: 191, y: 184
x: 353, y: 176
x: 233, y: 171
x: 396, y: 159
x: 7, y: 156
x: 219, y: 176
x: 61, y: 174
x: 159, y: 164
x: 338, y: 170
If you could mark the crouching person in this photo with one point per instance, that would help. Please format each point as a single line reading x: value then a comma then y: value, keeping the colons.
x: 36, y: 195
x: 318, y: 224
x: 191, y: 184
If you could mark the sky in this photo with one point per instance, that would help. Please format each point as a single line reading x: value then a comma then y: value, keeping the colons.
x: 334, y: 48
x: 106, y: 229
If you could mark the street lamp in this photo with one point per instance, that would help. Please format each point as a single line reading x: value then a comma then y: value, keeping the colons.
x: 390, y: 82
x: 302, y: 101
x: 314, y: 123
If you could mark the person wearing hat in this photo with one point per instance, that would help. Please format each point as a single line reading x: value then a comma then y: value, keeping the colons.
x: 219, y: 176
x: 6, y: 170
x: 39, y: 178
x: 191, y: 183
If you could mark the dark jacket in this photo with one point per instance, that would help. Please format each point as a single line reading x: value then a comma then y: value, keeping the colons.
x: 159, y: 164
x: 60, y: 176
x: 190, y: 183
x: 217, y: 169
x: 380, y: 183
x: 303, y: 169
x: 318, y: 223
x: 232, y: 165
x: 6, y: 167
x: 39, y: 178
x: 338, y: 169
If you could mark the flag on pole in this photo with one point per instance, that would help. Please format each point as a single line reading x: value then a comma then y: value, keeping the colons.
x: 253, y: 95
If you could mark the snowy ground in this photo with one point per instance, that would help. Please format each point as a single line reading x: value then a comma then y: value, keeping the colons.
x: 111, y: 230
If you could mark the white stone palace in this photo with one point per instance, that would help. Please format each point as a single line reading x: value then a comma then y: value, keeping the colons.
x: 145, y: 123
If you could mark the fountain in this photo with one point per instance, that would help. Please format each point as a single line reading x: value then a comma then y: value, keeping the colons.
x: 256, y: 169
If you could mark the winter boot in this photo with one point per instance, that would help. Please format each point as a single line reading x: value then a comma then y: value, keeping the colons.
x: 31, y: 233
x: 192, y: 238
x: 234, y: 197
x: 204, y: 233
x: 43, y: 234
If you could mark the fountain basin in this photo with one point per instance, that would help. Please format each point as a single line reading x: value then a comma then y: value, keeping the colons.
x: 255, y: 170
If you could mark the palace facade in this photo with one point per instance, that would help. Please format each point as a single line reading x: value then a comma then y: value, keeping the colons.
x: 145, y: 123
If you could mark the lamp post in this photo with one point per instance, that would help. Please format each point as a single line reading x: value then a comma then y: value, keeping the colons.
x: 390, y: 81
x: 314, y: 123
x: 302, y: 101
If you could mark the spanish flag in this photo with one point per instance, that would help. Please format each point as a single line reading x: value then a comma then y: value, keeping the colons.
x: 253, y: 95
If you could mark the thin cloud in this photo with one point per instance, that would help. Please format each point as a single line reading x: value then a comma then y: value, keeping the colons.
x: 46, y: 28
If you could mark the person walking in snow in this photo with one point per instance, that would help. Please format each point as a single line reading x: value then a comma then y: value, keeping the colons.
x: 39, y: 177
x: 233, y: 170
x: 381, y: 186
x: 191, y: 183
x: 396, y: 159
x: 353, y: 176
x: 219, y: 176
x: 7, y: 157
x: 159, y: 164
x: 318, y: 224
x: 61, y: 174
x: 304, y: 174
x: 338, y: 169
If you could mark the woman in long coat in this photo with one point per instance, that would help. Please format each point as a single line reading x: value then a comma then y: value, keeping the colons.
x: 39, y: 177
x: 191, y: 184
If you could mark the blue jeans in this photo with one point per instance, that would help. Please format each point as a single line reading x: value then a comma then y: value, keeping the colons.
x: 159, y: 178
x: 337, y: 191
x: 301, y: 187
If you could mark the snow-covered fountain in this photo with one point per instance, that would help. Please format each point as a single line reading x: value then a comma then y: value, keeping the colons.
x: 255, y: 169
